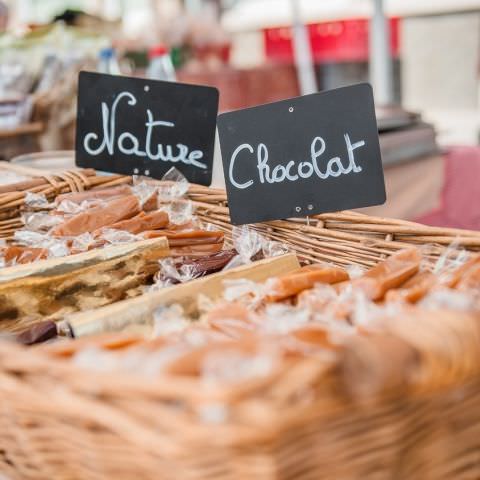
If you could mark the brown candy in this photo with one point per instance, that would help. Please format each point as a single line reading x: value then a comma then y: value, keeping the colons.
x: 38, y: 333
x: 95, y: 218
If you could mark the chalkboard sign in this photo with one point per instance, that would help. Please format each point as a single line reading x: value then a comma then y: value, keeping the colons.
x: 299, y: 157
x: 138, y: 126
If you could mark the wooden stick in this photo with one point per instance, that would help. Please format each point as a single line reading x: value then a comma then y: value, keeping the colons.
x: 54, y: 287
x: 139, y: 311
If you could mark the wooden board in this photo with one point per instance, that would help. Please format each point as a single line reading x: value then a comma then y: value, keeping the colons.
x: 137, y: 313
x: 52, y: 288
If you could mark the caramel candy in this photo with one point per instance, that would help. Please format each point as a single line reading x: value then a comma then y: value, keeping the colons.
x: 22, y: 255
x: 202, y: 266
x: 392, y: 273
x: 107, y: 341
x: 103, y: 194
x: 196, y: 251
x: 453, y: 279
x: 143, y: 222
x: 414, y: 289
x: 303, y: 279
x: 471, y: 280
x: 96, y: 218
x: 38, y: 333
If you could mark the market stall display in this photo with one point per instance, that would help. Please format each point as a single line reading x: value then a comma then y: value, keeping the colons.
x: 281, y: 379
x: 153, y: 326
x: 328, y: 341
x: 86, y: 249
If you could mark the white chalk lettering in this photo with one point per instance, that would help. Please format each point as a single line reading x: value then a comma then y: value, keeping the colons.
x: 241, y: 186
x: 293, y: 172
x: 128, y: 144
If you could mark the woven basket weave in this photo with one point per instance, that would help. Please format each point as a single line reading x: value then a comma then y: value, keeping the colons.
x: 12, y: 203
x: 342, y: 238
x: 61, y: 422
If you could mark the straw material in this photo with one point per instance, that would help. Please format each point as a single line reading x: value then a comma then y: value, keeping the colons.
x: 12, y: 197
x: 417, y: 419
x: 404, y: 407
x: 343, y: 238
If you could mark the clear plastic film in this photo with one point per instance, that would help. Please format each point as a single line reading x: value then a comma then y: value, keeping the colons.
x: 146, y: 192
x: 281, y: 319
x: 169, y: 319
x: 56, y: 247
x: 447, y: 299
x: 172, y: 272
x: 229, y: 366
x: 72, y: 208
x: 250, y: 245
x: 173, y: 187
x: 451, y: 259
x: 180, y: 212
x: 40, y: 221
x: 135, y: 361
x: 36, y: 201
x: 83, y: 242
x: 117, y: 237
x: 244, y: 291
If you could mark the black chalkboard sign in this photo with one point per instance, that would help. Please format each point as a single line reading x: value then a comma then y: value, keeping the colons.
x: 138, y: 126
x: 299, y: 157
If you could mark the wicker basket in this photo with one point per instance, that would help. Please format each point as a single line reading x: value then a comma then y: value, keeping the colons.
x: 12, y: 202
x: 342, y: 238
x: 60, y: 422
x: 417, y: 416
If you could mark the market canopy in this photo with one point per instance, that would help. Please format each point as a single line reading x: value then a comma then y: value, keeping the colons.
x: 259, y: 14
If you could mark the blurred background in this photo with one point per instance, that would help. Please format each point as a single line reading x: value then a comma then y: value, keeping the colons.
x: 421, y: 56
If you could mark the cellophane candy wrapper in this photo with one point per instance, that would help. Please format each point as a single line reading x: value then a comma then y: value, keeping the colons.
x: 169, y: 319
x: 118, y: 237
x: 236, y: 365
x: 171, y: 193
x: 83, y: 242
x: 281, y: 318
x: 175, y: 185
x: 143, y: 190
x: 56, y: 247
x: 250, y: 244
x: 36, y: 201
x: 172, y: 272
x: 71, y: 208
x: 135, y: 361
x: 446, y: 299
x: 355, y: 271
x: 180, y: 211
x: 453, y: 258
x: 40, y: 221
x: 367, y: 314
x: 245, y: 291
